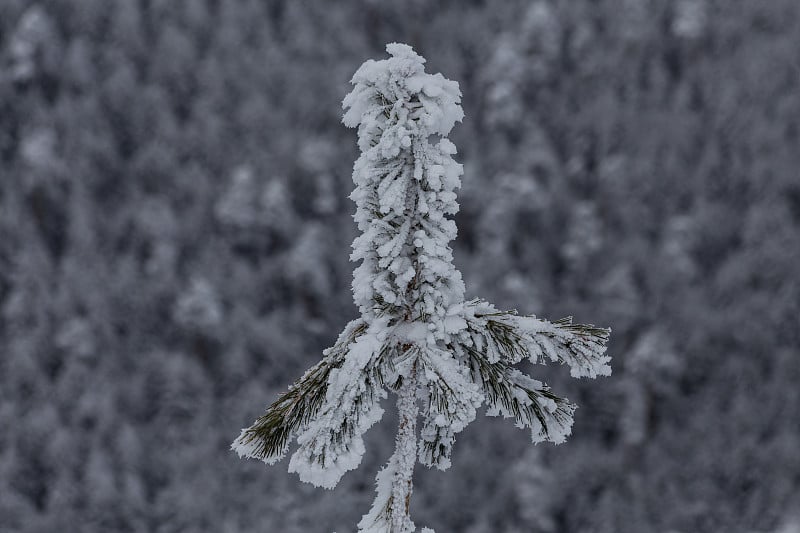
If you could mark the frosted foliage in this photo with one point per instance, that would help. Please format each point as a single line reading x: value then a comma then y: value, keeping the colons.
x: 532, y: 482
x: 417, y: 335
x: 452, y: 403
x: 690, y: 18
x: 542, y: 29
x: 790, y: 526
x: 405, y: 187
x: 305, y: 259
x: 238, y: 205
x: 332, y: 444
x: 198, y: 308
x: 76, y: 337
x: 633, y: 18
x: 32, y: 32
x: 267, y: 440
x: 39, y: 148
x: 585, y: 235
x: 251, y: 204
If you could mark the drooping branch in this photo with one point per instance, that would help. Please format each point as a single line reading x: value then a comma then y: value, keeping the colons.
x: 452, y: 400
x: 511, y: 394
x: 267, y: 439
x: 333, y: 443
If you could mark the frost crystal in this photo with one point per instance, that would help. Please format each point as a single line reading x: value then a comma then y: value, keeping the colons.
x: 417, y: 335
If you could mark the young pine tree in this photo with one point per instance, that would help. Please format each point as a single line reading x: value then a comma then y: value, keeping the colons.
x: 443, y: 356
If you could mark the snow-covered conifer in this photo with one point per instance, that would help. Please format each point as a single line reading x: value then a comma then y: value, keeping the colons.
x: 443, y: 356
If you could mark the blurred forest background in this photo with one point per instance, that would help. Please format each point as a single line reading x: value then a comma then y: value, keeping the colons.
x: 175, y: 232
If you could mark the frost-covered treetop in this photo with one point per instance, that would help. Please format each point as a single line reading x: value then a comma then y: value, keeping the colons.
x: 399, y: 81
x: 417, y: 336
x: 405, y: 188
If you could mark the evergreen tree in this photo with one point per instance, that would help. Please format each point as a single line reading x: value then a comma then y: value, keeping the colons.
x: 417, y: 336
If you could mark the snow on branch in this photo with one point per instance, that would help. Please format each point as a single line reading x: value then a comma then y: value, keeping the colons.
x: 452, y: 400
x: 332, y: 442
x: 511, y: 394
x: 516, y: 337
x: 268, y: 438
x: 417, y: 336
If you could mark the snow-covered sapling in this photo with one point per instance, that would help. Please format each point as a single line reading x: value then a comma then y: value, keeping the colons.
x: 443, y: 356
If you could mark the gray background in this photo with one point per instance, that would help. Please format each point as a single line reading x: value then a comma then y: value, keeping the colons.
x: 175, y: 231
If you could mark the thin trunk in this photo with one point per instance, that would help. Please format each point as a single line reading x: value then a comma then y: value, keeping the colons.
x: 405, y: 455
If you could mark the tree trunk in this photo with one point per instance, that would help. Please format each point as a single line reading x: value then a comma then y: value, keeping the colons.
x: 405, y: 454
